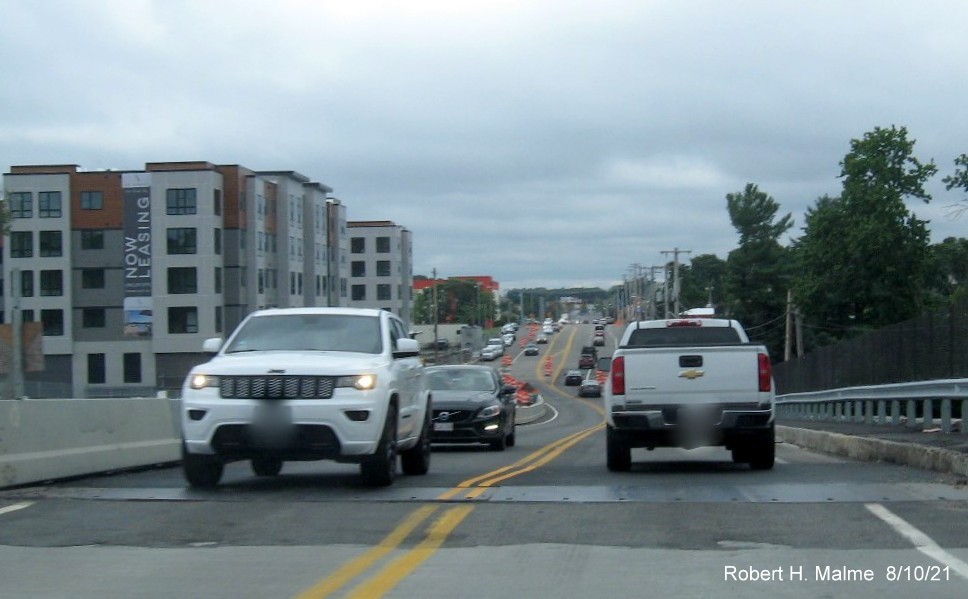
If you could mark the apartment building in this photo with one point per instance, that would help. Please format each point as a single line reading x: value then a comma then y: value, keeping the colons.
x: 129, y: 271
x: 381, y: 266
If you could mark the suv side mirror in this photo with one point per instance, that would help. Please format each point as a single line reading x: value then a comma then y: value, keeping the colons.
x: 406, y: 348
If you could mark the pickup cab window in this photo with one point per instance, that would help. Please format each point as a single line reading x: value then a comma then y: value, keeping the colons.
x: 683, y: 336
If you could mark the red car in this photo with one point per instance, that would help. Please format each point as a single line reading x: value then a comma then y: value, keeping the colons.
x: 586, y: 361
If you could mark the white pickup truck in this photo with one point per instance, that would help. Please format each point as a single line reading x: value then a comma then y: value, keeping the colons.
x: 689, y: 382
x: 308, y: 384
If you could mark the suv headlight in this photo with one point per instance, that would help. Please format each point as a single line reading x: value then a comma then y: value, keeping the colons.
x: 363, y: 382
x: 489, y: 412
x: 200, y: 381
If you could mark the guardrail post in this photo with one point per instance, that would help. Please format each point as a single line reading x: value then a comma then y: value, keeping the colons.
x: 946, y: 416
x: 928, y: 414
x: 881, y: 412
x: 895, y: 412
x: 912, y: 414
x: 849, y: 411
x: 838, y: 411
x: 964, y: 416
x: 869, y: 412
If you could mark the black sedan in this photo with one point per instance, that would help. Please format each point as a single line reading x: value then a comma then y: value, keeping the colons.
x: 531, y: 349
x: 471, y: 405
x: 590, y: 387
x: 573, y: 378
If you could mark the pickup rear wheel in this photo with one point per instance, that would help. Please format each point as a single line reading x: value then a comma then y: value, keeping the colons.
x: 266, y: 466
x: 763, y: 454
x: 618, y: 455
x: 416, y: 460
x: 379, y: 469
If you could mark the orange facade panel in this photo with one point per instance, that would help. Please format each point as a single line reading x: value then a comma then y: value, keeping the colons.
x: 111, y: 214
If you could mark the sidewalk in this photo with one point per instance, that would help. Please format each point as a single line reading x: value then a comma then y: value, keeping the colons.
x: 931, y: 450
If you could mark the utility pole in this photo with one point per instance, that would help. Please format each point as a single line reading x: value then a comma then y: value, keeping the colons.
x: 676, y: 288
x: 434, y: 274
x: 788, y: 337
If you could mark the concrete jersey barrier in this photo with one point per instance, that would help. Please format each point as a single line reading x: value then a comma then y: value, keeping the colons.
x: 45, y: 439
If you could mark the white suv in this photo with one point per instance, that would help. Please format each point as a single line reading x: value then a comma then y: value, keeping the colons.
x: 308, y: 384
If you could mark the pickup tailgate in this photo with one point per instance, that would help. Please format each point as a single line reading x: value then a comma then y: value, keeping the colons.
x: 692, y: 375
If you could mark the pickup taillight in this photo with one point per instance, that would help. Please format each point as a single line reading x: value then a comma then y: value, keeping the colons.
x: 766, y: 373
x: 618, y: 376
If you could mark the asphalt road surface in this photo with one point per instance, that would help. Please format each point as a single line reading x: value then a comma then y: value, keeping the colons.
x: 541, y: 519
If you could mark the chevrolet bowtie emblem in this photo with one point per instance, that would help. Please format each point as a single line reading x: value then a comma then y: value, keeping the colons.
x: 691, y: 374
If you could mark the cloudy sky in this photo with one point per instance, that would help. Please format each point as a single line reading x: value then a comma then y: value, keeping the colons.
x: 545, y: 143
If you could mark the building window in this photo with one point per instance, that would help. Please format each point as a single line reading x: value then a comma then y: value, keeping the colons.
x: 218, y: 279
x: 182, y: 320
x: 95, y: 369
x: 22, y: 244
x: 358, y: 268
x: 92, y: 239
x: 383, y: 268
x: 218, y: 319
x: 50, y: 244
x: 26, y: 284
x: 359, y: 292
x: 21, y: 204
x: 92, y: 200
x: 357, y: 245
x: 28, y: 316
x: 52, y: 322
x: 180, y: 201
x: 92, y: 278
x: 217, y: 202
x: 292, y: 283
x: 217, y: 236
x: 383, y: 292
x: 383, y: 245
x: 51, y: 283
x: 261, y: 283
x: 49, y: 204
x: 92, y: 318
x: 132, y: 368
x: 182, y: 280
x: 182, y: 241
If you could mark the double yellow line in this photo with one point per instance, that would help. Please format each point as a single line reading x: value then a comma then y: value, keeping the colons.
x: 401, y: 567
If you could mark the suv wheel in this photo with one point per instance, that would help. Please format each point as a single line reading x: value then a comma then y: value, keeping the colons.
x: 379, y: 469
x: 201, y: 471
x: 416, y: 460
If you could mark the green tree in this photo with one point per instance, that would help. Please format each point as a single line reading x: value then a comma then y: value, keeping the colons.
x: 757, y: 274
x: 864, y: 259
x: 958, y: 180
x: 702, y: 278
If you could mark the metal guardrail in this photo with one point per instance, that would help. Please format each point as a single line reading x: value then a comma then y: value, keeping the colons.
x: 882, y: 405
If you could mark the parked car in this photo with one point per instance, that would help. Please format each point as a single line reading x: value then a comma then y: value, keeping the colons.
x: 590, y: 387
x: 508, y: 340
x: 489, y: 353
x: 531, y: 349
x: 471, y: 404
x: 573, y: 378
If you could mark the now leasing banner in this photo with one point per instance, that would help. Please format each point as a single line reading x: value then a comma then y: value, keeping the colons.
x: 137, y: 254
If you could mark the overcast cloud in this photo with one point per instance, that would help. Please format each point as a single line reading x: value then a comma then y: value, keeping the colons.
x: 545, y: 143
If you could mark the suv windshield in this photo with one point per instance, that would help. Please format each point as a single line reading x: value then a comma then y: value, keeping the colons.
x: 308, y: 332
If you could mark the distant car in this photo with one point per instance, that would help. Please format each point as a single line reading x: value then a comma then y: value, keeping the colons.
x: 590, y: 387
x: 600, y: 340
x: 489, y: 353
x: 508, y: 340
x: 573, y: 378
x: 471, y: 405
x: 599, y: 334
x: 531, y: 349
x: 548, y: 329
x: 586, y: 361
x: 542, y: 339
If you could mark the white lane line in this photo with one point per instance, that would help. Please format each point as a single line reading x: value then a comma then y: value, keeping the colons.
x: 921, y: 541
x: 15, y: 507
